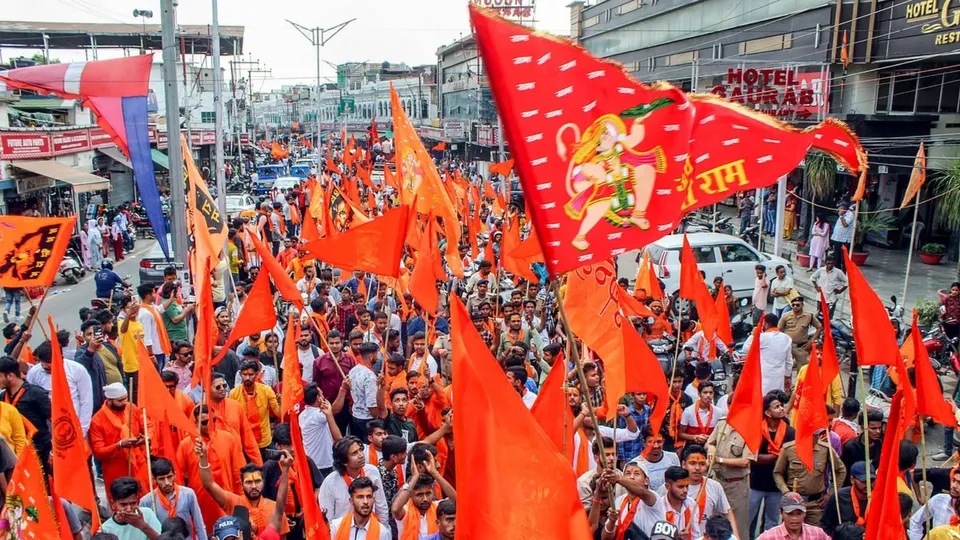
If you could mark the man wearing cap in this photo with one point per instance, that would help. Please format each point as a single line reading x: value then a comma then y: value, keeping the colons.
x: 628, y: 505
x: 365, y: 388
x: 793, y: 511
x: 224, y: 459
x: 262, y: 510
x: 853, y: 502
x: 733, y: 459
x: 942, y: 508
x: 116, y: 441
x: 479, y: 296
x: 791, y: 474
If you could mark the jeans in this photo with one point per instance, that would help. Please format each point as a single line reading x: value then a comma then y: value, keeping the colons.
x: 358, y: 428
x: 771, y: 507
x: 948, y: 440
x: 744, y: 223
x: 837, y: 248
x: 13, y: 296
x: 161, y: 360
x: 770, y: 221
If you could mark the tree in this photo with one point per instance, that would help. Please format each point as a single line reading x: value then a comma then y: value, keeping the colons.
x: 947, y: 187
x: 820, y: 173
x: 40, y: 59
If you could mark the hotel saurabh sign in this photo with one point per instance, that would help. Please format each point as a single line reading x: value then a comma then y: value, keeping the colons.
x: 938, y: 17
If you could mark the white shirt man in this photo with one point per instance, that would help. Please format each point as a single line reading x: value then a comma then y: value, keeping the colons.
x: 417, y: 361
x: 308, y: 286
x: 81, y: 389
x: 151, y: 335
x: 360, y: 533
x: 715, y: 504
x: 700, y: 345
x: 647, y: 516
x: 941, y: 512
x: 335, y: 498
x: 622, y: 435
x: 776, y: 362
x: 528, y: 398
x: 829, y: 279
x: 317, y: 439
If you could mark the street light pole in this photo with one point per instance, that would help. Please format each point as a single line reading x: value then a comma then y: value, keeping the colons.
x: 317, y: 37
x: 178, y: 200
x: 218, y: 111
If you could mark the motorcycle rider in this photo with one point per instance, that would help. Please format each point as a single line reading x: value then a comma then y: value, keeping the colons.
x: 106, y: 279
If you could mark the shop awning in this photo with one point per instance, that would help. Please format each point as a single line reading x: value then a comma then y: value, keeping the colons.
x: 116, y: 155
x: 82, y: 182
x: 160, y: 158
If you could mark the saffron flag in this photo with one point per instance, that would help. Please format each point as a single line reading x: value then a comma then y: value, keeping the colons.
x: 286, y: 286
x: 511, y: 241
x: 169, y: 422
x: 27, y: 508
x: 552, y: 409
x: 207, y: 224
x: 314, y: 525
x: 829, y: 364
x: 206, y: 335
x: 647, y: 279
x: 439, y: 147
x: 529, y: 251
x: 873, y: 332
x: 503, y: 168
x: 292, y: 392
x: 593, y: 146
x: 256, y: 315
x: 930, y: 400
x: 811, y: 411
x: 844, y: 57
x: 917, y: 177
x: 692, y: 287
x: 594, y: 315
x: 528, y: 492
x: 724, y: 331
x: 31, y: 249
x: 375, y: 246
x: 116, y: 91
x: 423, y: 281
x: 71, y: 472
x: 745, y: 413
x: 883, y: 512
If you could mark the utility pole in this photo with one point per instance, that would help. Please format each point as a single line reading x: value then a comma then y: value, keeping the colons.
x: 178, y: 200
x: 318, y: 38
x: 218, y: 112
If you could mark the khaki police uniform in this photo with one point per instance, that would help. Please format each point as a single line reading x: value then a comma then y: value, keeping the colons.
x: 789, y: 471
x: 725, y: 443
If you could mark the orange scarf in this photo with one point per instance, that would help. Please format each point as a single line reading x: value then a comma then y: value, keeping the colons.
x: 424, y: 367
x: 347, y: 480
x: 283, y: 224
x: 700, y: 426
x: 672, y: 515
x: 411, y: 523
x: 346, y: 526
x: 253, y: 414
x: 855, y: 502
x: 136, y: 454
x: 294, y: 215
x: 161, y: 329
x: 372, y: 458
x: 773, y: 445
x: 169, y: 506
x: 623, y: 522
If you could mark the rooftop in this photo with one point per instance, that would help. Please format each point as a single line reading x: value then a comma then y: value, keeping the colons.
x: 80, y: 36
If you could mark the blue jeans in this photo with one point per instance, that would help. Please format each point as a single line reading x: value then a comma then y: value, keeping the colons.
x: 771, y: 508
x: 161, y: 360
x: 770, y: 221
x: 13, y: 296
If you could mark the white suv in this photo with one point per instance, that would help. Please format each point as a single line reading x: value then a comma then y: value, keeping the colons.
x: 717, y: 255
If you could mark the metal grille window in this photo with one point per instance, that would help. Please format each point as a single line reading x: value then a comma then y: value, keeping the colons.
x: 208, y: 117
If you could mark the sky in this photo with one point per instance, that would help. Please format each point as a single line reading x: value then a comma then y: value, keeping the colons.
x: 407, y: 31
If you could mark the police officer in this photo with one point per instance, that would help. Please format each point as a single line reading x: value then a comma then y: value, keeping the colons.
x: 790, y: 474
x: 732, y: 472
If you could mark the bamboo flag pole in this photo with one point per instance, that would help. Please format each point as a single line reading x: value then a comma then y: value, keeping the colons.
x: 866, y: 434
x: 833, y: 469
x: 37, y: 310
x: 146, y: 438
x: 130, y: 424
x: 36, y: 314
x: 923, y: 452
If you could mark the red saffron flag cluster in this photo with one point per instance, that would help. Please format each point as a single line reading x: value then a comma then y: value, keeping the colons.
x: 609, y: 164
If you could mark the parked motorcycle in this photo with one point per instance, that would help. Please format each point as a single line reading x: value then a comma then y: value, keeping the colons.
x: 942, y: 349
x: 140, y: 222
x: 71, y: 270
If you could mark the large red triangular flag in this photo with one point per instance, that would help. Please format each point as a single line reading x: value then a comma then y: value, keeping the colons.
x: 314, y: 525
x: 153, y: 396
x: 552, y: 409
x: 930, y: 400
x: 281, y: 280
x: 545, y: 504
x: 292, y: 392
x: 872, y: 330
x: 511, y: 241
x: 256, y: 315
x: 724, y: 331
x: 811, y: 410
x: 503, y: 168
x: 375, y: 246
x: 883, y: 513
x: 423, y: 281
x: 829, y: 364
x: 71, y: 472
x: 745, y: 413
x: 693, y: 287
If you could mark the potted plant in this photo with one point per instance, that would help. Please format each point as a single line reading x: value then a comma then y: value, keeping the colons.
x: 803, y: 255
x: 932, y: 253
x: 870, y: 222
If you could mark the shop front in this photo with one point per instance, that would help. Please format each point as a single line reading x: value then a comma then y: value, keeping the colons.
x: 53, y: 188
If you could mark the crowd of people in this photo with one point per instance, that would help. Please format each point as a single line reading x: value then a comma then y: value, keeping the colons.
x: 377, y: 411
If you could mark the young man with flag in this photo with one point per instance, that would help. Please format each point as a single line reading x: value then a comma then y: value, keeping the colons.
x: 776, y: 433
x: 707, y: 493
x: 231, y: 415
x: 700, y: 419
x: 415, y: 507
x: 173, y: 500
x: 258, y: 401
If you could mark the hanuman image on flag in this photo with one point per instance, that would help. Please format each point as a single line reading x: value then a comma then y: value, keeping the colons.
x: 608, y: 176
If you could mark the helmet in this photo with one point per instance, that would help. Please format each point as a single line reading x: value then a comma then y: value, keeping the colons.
x: 107, y: 264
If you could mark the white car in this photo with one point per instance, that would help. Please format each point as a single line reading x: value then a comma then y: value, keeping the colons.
x: 286, y: 182
x: 717, y: 255
x: 240, y: 204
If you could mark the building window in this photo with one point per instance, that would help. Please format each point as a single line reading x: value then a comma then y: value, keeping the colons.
x: 767, y: 44
x: 904, y: 91
x: 592, y: 21
x: 950, y: 99
x: 680, y: 59
x: 208, y: 117
x: 632, y: 5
